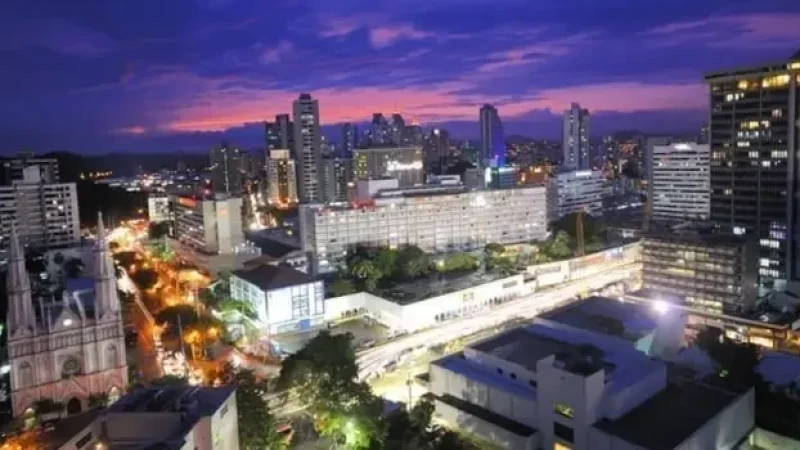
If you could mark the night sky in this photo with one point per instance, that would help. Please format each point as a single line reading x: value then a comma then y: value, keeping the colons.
x: 147, y: 75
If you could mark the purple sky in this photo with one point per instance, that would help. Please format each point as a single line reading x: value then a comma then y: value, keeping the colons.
x: 106, y: 75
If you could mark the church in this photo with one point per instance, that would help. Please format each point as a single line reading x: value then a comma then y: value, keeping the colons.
x: 65, y: 349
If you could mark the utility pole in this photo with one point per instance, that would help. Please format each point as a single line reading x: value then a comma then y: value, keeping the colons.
x: 579, y: 232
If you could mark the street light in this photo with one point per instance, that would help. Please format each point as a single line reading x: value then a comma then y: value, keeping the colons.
x: 661, y: 307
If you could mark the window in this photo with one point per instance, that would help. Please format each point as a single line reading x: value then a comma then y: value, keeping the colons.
x: 564, y: 410
x: 563, y: 432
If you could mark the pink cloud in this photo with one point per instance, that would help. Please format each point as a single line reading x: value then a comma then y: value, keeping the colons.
x: 533, y: 53
x: 276, y: 53
x: 757, y: 30
x: 386, y: 35
x: 134, y: 130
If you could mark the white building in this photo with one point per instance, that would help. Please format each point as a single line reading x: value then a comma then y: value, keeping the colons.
x: 580, y: 190
x: 68, y: 349
x: 308, y: 149
x: 285, y: 299
x: 207, y: 232
x: 681, y: 182
x: 576, y: 138
x: 405, y: 164
x: 281, y: 178
x: 552, y: 386
x: 158, y: 209
x: 46, y: 215
x: 436, y: 218
x: 175, y: 417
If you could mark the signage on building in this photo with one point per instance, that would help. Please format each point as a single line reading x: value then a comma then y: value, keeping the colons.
x: 187, y: 202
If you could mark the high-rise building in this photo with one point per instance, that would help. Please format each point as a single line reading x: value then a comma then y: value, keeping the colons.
x: 580, y: 190
x: 227, y: 167
x: 437, y: 150
x: 755, y: 140
x: 12, y: 170
x: 405, y: 164
x: 576, y: 138
x: 680, y: 182
x: 308, y: 149
x: 493, y: 144
x: 285, y: 128
x: 70, y: 348
x: 414, y: 134
x: 337, y: 174
x: 397, y: 130
x: 379, y: 130
x: 281, y: 178
x: 46, y: 215
x: 349, y: 140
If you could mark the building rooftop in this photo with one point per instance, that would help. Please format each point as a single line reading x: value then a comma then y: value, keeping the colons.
x: 475, y: 371
x: 696, y: 237
x: 204, y: 400
x: 608, y: 316
x: 268, y: 277
x: 65, y: 429
x: 670, y: 417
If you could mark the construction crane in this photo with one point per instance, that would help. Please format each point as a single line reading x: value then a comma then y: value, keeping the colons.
x: 579, y: 234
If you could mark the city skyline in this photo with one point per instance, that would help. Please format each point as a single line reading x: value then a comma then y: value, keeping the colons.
x: 111, y: 78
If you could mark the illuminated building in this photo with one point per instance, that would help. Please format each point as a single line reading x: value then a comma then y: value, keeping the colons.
x: 576, y: 138
x: 308, y: 149
x: 280, y: 133
x: 436, y: 148
x: 397, y: 130
x: 581, y: 190
x: 12, y: 170
x: 227, y: 167
x: 493, y: 144
x: 709, y: 272
x: 755, y: 139
x: 69, y: 348
x: 435, y: 218
x: 158, y: 209
x: 337, y: 174
x: 680, y: 182
x: 500, y: 177
x: 533, y: 175
x: 402, y: 163
x: 281, y: 178
x: 551, y: 385
x: 46, y: 214
x: 349, y: 140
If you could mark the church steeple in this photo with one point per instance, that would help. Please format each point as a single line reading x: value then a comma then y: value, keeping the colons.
x: 21, y: 317
x: 105, y: 280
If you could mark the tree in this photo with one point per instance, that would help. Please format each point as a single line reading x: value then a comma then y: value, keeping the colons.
x: 559, y: 246
x: 257, y: 427
x: 365, y: 270
x: 99, y: 400
x: 342, y: 286
x: 736, y: 361
x: 126, y: 259
x: 47, y: 407
x: 493, y: 248
x: 144, y: 278
x: 413, y: 262
x: 386, y: 261
x: 458, y: 262
x: 157, y: 230
x: 187, y: 317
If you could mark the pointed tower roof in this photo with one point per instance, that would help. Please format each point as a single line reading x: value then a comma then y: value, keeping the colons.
x: 21, y: 316
x: 105, y: 280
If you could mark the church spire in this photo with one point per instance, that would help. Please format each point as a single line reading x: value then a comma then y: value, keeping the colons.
x: 105, y: 280
x: 21, y: 316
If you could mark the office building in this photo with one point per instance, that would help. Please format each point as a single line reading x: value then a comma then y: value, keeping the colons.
x: 680, y: 182
x: 158, y: 209
x: 226, y: 170
x: 576, y: 138
x: 581, y: 190
x: 708, y: 272
x: 493, y: 144
x: 349, y: 140
x: 164, y: 418
x: 69, y: 348
x: 279, y: 134
x: 337, y: 175
x: 436, y: 148
x: 500, y: 177
x: 397, y: 130
x: 46, y: 215
x: 284, y: 299
x: 281, y: 178
x: 380, y: 131
x: 755, y: 139
x: 553, y: 386
x: 414, y: 134
x: 435, y: 218
x: 12, y: 170
x: 308, y: 149
x: 207, y: 232
x: 402, y: 163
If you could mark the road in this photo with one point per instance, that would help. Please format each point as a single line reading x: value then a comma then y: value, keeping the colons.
x: 372, y: 360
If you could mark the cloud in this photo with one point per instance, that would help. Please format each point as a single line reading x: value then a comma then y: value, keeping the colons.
x: 386, y: 35
x: 533, y: 53
x: 134, y: 130
x: 275, y: 54
x: 748, y: 31
x: 57, y: 35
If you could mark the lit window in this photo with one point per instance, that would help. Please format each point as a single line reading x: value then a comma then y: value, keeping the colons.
x: 564, y: 410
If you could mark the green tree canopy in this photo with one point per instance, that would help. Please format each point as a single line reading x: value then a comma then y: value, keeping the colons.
x: 157, y: 230
x: 341, y: 287
x: 413, y: 262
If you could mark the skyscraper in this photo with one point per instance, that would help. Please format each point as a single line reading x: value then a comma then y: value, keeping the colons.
x: 337, y: 173
x: 576, y: 138
x: 493, y: 144
x: 308, y: 149
x: 379, y: 130
x: 754, y: 139
x: 349, y: 140
x: 281, y: 178
x: 414, y: 134
x: 436, y: 149
x: 227, y: 167
x: 397, y: 130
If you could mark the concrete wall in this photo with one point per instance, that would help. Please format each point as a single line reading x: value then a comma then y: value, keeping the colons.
x: 485, y: 430
x: 727, y: 428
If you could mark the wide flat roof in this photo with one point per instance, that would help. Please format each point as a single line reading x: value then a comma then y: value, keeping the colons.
x: 627, y: 320
x: 670, y: 417
x: 269, y: 277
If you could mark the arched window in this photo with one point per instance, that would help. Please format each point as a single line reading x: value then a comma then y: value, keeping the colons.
x: 25, y: 375
x: 74, y: 406
x: 112, y: 357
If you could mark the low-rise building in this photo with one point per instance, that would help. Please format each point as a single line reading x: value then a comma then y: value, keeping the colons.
x: 158, y: 208
x: 284, y: 299
x: 580, y: 190
x: 549, y: 385
x: 706, y: 271
x: 435, y: 218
